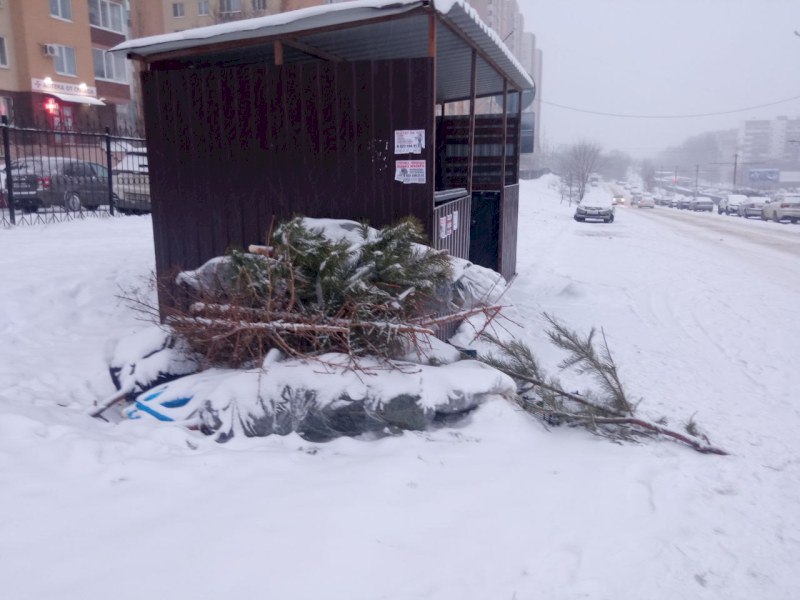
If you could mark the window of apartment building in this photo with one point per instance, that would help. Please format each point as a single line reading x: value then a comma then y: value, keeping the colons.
x: 111, y: 67
x: 3, y: 55
x: 202, y: 8
x: 5, y: 106
x: 61, y: 9
x: 259, y: 4
x: 230, y: 6
x: 178, y: 10
x: 106, y: 14
x: 65, y: 61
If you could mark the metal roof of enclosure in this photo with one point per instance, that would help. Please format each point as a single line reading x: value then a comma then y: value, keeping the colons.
x: 353, y: 31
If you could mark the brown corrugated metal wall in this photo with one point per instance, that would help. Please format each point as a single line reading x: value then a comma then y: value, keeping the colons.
x: 232, y: 147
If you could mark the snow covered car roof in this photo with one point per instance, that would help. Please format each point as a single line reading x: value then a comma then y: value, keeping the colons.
x: 596, y: 200
x: 361, y: 30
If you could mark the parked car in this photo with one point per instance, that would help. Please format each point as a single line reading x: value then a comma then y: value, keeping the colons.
x: 132, y: 182
x: 702, y: 203
x: 685, y: 202
x: 618, y: 199
x: 596, y: 208
x: 22, y: 164
x: 730, y: 204
x: 786, y: 208
x: 44, y: 181
x: 751, y: 207
x: 647, y: 201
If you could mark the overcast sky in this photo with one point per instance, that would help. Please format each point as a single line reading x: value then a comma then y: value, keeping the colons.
x: 662, y: 57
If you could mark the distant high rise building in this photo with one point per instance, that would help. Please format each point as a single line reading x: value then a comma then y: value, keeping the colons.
x: 773, y: 141
x: 504, y: 17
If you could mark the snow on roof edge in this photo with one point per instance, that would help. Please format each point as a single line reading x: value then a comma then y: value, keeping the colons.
x: 444, y: 7
x: 249, y: 25
x: 254, y: 25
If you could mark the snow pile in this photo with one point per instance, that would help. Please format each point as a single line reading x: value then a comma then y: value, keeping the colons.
x: 694, y: 310
x: 323, y: 399
x: 148, y: 358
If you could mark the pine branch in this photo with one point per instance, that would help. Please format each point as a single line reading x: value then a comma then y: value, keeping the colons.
x: 584, y: 358
x: 518, y: 361
x: 632, y: 421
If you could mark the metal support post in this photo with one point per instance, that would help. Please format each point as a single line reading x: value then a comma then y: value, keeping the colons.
x: 9, y: 191
x: 108, y: 166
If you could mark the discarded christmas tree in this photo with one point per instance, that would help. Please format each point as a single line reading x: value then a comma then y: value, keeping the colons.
x: 306, y: 294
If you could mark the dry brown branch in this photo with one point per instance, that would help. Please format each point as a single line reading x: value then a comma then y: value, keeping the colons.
x: 287, y: 321
x: 704, y: 448
x: 260, y: 250
x: 431, y: 321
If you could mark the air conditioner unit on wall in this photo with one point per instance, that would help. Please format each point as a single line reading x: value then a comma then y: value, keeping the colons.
x: 49, y: 50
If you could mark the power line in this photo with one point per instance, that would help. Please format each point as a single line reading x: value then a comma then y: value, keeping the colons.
x: 686, y: 116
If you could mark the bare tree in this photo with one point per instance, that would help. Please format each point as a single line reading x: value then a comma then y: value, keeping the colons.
x: 615, y: 164
x: 648, y: 175
x: 579, y: 162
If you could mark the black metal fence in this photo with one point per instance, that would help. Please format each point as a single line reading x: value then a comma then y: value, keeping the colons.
x: 52, y: 175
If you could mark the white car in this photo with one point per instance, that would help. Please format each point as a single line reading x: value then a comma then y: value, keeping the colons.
x: 132, y: 182
x: 751, y: 207
x: 786, y: 208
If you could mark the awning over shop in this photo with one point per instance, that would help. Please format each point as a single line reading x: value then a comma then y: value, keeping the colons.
x: 76, y: 98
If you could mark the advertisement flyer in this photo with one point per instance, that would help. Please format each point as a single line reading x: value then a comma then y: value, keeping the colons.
x: 410, y: 171
x: 409, y: 141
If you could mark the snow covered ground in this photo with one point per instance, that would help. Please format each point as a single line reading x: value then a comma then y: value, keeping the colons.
x: 700, y: 321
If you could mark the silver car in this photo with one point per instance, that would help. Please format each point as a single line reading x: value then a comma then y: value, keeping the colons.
x: 786, y: 208
x: 646, y: 201
x: 595, y: 208
x: 752, y: 206
x: 703, y: 203
x: 729, y: 205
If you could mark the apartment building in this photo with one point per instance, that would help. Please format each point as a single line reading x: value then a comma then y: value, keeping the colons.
x: 54, y: 68
x: 151, y: 17
x: 504, y: 17
x: 773, y: 141
x: 154, y: 17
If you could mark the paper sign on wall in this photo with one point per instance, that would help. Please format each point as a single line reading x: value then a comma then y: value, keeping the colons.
x: 410, y: 171
x: 448, y: 224
x: 409, y: 141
